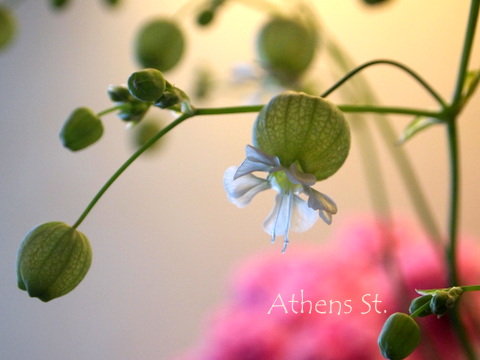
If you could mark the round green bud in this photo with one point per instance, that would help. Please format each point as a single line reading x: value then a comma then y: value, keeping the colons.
x: 400, y: 335
x: 147, y: 84
x: 205, y: 17
x: 418, y: 302
x: 8, y: 26
x: 442, y: 301
x: 119, y: 93
x: 52, y: 260
x: 159, y: 44
x: 82, y: 129
x: 306, y: 129
x: 286, y: 48
x: 133, y: 111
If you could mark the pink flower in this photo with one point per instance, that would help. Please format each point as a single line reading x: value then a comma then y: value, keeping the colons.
x: 330, y: 302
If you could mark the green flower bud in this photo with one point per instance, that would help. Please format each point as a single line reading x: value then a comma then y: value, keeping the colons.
x: 418, y: 302
x: 147, y: 84
x: 52, y: 260
x: 133, y: 111
x: 303, y: 128
x: 286, y: 48
x: 205, y: 17
x: 82, y: 129
x: 8, y: 26
x: 400, y: 335
x: 159, y: 44
x: 119, y: 93
x: 443, y: 300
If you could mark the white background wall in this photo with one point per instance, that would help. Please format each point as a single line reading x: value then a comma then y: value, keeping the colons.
x: 164, y: 237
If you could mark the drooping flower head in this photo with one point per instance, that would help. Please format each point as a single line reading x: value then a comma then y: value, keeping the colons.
x: 298, y: 140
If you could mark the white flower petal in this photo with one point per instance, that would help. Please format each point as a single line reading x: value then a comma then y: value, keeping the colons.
x: 241, y: 191
x: 302, y: 216
x: 256, y: 160
x: 277, y: 222
x: 298, y: 177
x: 324, y: 204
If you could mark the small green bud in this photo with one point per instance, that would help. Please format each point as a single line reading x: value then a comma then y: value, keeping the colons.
x: 146, y: 84
x: 8, y: 26
x: 133, y: 111
x: 205, y: 17
x: 443, y: 300
x: 119, y: 93
x: 52, y: 260
x: 286, y: 48
x: 82, y: 129
x: 159, y: 44
x: 418, y: 302
x: 310, y: 130
x: 400, y: 335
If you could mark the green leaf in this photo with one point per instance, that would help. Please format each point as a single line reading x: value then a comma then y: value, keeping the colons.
x: 82, y: 129
x: 418, y: 124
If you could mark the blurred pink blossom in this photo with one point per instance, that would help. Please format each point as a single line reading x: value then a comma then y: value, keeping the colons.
x: 262, y: 318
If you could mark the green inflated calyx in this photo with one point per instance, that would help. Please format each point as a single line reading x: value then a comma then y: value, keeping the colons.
x: 399, y: 337
x: 82, y: 129
x: 286, y: 47
x: 310, y: 130
x: 159, y: 44
x: 52, y: 260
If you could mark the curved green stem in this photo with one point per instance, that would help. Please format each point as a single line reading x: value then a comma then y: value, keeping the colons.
x: 160, y: 134
x: 412, y: 73
x: 127, y: 163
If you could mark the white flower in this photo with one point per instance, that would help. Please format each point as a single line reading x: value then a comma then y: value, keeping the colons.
x: 290, y: 211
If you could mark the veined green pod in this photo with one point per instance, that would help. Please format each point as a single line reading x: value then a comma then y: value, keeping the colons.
x: 306, y: 129
x: 400, y: 335
x: 286, y: 47
x: 8, y: 26
x: 159, y: 44
x: 147, y: 84
x: 52, y: 260
x: 82, y: 129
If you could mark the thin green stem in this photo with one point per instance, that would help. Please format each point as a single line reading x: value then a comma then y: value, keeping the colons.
x: 229, y: 110
x: 160, y: 134
x: 470, y: 288
x: 466, y: 52
x: 412, y: 73
x: 390, y: 110
x: 126, y: 164
x: 110, y: 110
x: 454, y: 202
